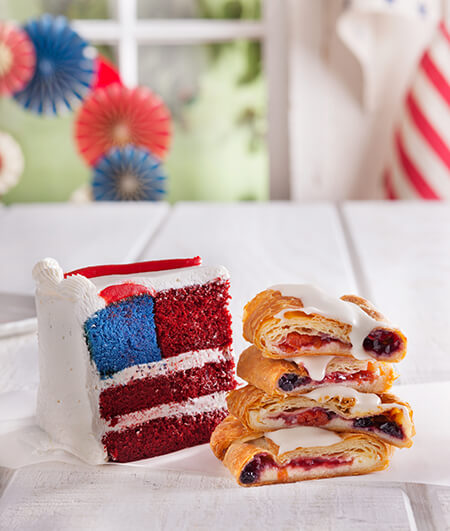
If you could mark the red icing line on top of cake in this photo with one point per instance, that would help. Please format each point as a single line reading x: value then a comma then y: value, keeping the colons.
x: 137, y: 267
x: 123, y: 291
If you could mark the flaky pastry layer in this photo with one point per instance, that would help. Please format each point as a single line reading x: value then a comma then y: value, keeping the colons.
x: 282, y: 377
x: 282, y: 338
x: 261, y: 412
x: 253, y: 459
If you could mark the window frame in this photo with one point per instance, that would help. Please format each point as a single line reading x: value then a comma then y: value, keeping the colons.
x: 128, y: 32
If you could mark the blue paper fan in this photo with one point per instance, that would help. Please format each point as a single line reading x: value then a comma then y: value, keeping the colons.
x: 128, y: 174
x: 64, y: 67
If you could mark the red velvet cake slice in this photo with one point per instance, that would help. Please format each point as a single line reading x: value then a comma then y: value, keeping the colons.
x: 135, y: 359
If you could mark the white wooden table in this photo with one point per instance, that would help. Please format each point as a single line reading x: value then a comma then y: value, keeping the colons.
x: 395, y: 254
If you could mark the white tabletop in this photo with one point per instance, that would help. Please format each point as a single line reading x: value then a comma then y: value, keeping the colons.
x: 395, y: 254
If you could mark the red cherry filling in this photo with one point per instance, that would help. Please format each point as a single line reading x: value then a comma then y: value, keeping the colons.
x: 252, y: 470
x: 360, y: 376
x: 295, y: 341
x: 383, y: 343
x: 290, y: 381
x: 312, y: 462
x: 315, y: 416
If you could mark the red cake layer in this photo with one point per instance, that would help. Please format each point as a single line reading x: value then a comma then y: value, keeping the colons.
x: 172, y: 387
x: 161, y: 436
x: 193, y: 318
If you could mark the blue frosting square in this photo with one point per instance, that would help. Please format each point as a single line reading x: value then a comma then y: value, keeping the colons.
x: 122, y: 335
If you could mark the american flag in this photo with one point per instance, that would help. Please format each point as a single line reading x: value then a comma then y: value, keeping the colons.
x: 420, y: 160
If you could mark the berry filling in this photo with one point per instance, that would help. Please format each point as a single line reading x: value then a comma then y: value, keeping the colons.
x: 381, y: 423
x: 290, y: 381
x: 316, y: 416
x: 254, y: 468
x: 295, y: 342
x: 383, y: 343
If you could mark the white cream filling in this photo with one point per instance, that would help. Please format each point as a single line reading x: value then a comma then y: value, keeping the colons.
x: 315, y: 301
x: 289, y: 439
x: 202, y: 404
x: 315, y: 365
x: 182, y: 362
x: 365, y: 403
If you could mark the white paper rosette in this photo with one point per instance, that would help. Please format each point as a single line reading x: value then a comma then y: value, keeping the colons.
x: 11, y: 162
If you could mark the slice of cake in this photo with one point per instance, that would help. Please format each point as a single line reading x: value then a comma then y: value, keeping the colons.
x: 135, y: 359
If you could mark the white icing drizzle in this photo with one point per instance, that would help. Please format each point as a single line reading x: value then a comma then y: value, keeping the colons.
x: 289, y: 439
x: 316, y: 301
x: 315, y: 365
x: 365, y: 403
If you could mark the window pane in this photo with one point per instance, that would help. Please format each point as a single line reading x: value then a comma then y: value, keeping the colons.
x: 219, y: 9
x: 21, y: 10
x: 216, y: 94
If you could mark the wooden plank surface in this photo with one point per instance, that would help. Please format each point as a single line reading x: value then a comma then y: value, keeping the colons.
x: 403, y: 252
x: 64, y: 497
x: 261, y: 245
x: 76, y: 235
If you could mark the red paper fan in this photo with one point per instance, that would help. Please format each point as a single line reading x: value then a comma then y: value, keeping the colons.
x: 118, y: 116
x: 17, y: 58
x: 107, y: 73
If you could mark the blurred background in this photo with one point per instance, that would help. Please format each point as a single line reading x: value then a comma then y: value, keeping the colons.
x: 271, y: 99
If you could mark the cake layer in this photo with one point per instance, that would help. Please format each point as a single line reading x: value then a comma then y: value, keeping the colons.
x: 193, y: 318
x: 162, y: 435
x: 122, y: 334
x: 192, y: 406
x: 193, y: 374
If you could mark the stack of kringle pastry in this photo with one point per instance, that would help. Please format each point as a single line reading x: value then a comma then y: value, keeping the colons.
x: 316, y: 403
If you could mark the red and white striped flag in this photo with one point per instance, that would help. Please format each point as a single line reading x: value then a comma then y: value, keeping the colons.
x: 420, y: 161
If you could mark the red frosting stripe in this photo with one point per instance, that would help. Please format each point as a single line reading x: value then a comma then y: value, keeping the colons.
x: 137, y: 267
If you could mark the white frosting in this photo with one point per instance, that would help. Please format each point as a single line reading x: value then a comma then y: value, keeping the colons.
x: 289, y: 439
x: 67, y: 407
x: 202, y: 404
x: 182, y: 362
x: 162, y: 280
x: 315, y: 365
x: 316, y: 301
x: 364, y: 402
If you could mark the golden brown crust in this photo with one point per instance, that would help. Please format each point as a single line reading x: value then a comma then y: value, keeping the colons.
x: 367, y: 453
x: 265, y: 373
x: 227, y: 432
x: 267, y: 332
x: 256, y: 410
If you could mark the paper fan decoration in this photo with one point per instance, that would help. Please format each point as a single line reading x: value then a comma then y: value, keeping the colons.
x: 64, y: 67
x: 116, y: 116
x: 11, y: 162
x: 128, y: 174
x: 106, y: 73
x: 17, y: 58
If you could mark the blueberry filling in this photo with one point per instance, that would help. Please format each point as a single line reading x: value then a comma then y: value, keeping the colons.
x: 248, y: 476
x: 379, y: 422
x: 252, y: 470
x: 290, y: 381
x: 383, y: 343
